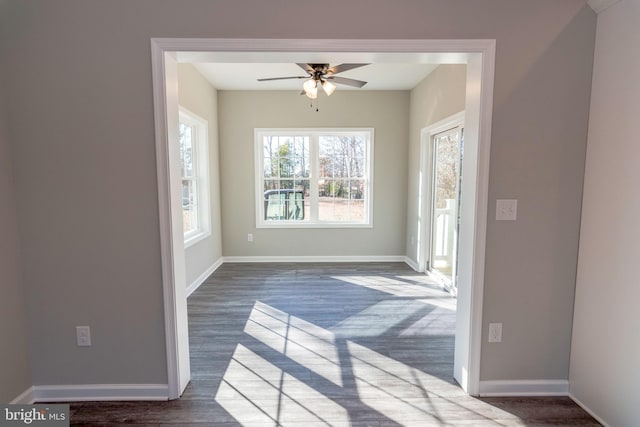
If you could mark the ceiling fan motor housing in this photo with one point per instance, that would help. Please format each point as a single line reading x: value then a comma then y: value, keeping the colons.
x: 319, y: 70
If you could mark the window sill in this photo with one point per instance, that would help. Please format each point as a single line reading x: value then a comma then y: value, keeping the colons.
x: 195, y: 238
x: 290, y: 225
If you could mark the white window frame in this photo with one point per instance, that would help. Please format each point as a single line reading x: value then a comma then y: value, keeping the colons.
x: 313, y: 134
x: 201, y: 155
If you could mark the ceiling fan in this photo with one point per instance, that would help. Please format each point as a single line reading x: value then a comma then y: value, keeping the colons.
x: 323, y: 75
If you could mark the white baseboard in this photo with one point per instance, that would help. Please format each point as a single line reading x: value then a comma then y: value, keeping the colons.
x: 411, y: 263
x: 200, y: 279
x: 329, y: 258
x: 524, y: 388
x: 25, y: 398
x: 588, y: 410
x: 99, y: 392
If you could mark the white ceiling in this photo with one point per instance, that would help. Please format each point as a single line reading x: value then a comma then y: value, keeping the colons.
x: 379, y: 76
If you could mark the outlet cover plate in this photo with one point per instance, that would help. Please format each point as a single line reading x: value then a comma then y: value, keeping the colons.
x: 506, y: 209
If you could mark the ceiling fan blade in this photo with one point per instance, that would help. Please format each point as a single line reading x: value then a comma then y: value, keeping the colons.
x: 343, y: 67
x: 282, y: 78
x: 307, y: 67
x: 346, y: 81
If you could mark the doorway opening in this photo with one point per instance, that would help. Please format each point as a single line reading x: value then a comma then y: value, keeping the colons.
x: 442, y: 150
x: 478, y: 55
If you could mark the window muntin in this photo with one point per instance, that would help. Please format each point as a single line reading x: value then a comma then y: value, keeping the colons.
x: 314, y: 178
x: 194, y: 168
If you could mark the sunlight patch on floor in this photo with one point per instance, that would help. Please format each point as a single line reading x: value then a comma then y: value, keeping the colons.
x: 448, y: 303
x: 424, y: 279
x: 395, y: 287
x: 403, y: 393
x: 303, y: 342
x: 254, y: 391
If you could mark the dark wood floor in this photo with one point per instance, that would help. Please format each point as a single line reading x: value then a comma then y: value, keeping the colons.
x: 325, y: 344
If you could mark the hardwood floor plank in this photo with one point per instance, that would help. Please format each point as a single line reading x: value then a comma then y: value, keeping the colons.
x: 344, y: 344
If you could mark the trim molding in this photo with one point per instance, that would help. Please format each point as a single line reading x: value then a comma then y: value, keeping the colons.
x: 524, y: 388
x: 588, y: 411
x: 171, y: 295
x: 25, y: 398
x: 600, y: 5
x: 478, y: 54
x: 201, y: 278
x: 99, y: 392
x: 327, y: 258
x: 411, y: 263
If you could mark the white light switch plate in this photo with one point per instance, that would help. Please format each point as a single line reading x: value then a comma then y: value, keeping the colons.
x: 495, y: 332
x: 506, y: 209
x: 83, y: 336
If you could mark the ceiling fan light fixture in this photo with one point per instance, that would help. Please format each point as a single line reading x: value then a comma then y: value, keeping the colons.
x: 311, y: 88
x: 321, y: 73
x: 328, y: 87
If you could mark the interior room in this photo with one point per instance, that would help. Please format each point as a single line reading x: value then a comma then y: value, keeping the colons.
x: 311, y: 292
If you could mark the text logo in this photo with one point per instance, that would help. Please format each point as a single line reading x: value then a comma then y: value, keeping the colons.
x: 36, y: 415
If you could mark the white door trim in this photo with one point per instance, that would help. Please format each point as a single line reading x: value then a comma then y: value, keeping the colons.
x: 165, y: 101
x: 479, y: 55
x: 426, y: 165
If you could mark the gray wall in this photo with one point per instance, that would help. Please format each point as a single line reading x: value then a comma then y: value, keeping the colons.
x: 242, y: 111
x: 79, y: 91
x: 440, y: 95
x: 606, y: 347
x: 540, y: 117
x: 15, y: 376
x: 198, y: 96
x: 79, y: 88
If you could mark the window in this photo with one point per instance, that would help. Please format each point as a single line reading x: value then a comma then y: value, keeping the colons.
x: 313, y: 178
x: 194, y: 167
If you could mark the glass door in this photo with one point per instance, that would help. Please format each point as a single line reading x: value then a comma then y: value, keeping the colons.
x: 447, y: 149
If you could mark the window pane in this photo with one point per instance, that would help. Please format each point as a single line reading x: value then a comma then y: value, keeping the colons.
x: 286, y: 200
x: 357, y: 189
x: 302, y: 197
x: 286, y: 184
x: 342, y: 156
x: 286, y: 157
x: 270, y: 168
x: 327, y: 156
x: 447, y: 172
x: 285, y: 205
x: 187, y: 150
x: 341, y: 200
x: 270, y: 184
x: 189, y: 206
x: 330, y: 195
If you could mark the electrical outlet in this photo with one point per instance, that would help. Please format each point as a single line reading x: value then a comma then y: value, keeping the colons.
x: 83, y: 336
x: 495, y: 332
x: 506, y: 209
x: 249, y: 237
